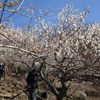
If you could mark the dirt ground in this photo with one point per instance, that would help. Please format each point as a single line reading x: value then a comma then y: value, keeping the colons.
x: 13, y: 88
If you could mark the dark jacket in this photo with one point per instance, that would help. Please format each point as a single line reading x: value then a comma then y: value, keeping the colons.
x: 2, y: 67
x: 32, y: 79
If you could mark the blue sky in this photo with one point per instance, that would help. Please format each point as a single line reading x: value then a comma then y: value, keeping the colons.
x: 93, y: 16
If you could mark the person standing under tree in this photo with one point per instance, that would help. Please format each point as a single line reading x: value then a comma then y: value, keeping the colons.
x: 3, y: 70
x: 32, y: 79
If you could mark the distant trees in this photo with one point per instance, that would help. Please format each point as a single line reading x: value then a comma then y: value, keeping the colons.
x: 68, y: 50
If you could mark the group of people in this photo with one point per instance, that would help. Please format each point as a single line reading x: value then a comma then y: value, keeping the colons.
x: 31, y: 80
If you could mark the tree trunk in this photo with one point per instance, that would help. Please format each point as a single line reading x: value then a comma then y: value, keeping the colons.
x: 62, y: 94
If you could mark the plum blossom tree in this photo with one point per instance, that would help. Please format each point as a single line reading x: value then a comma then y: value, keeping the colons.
x: 68, y: 50
x: 10, y: 8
